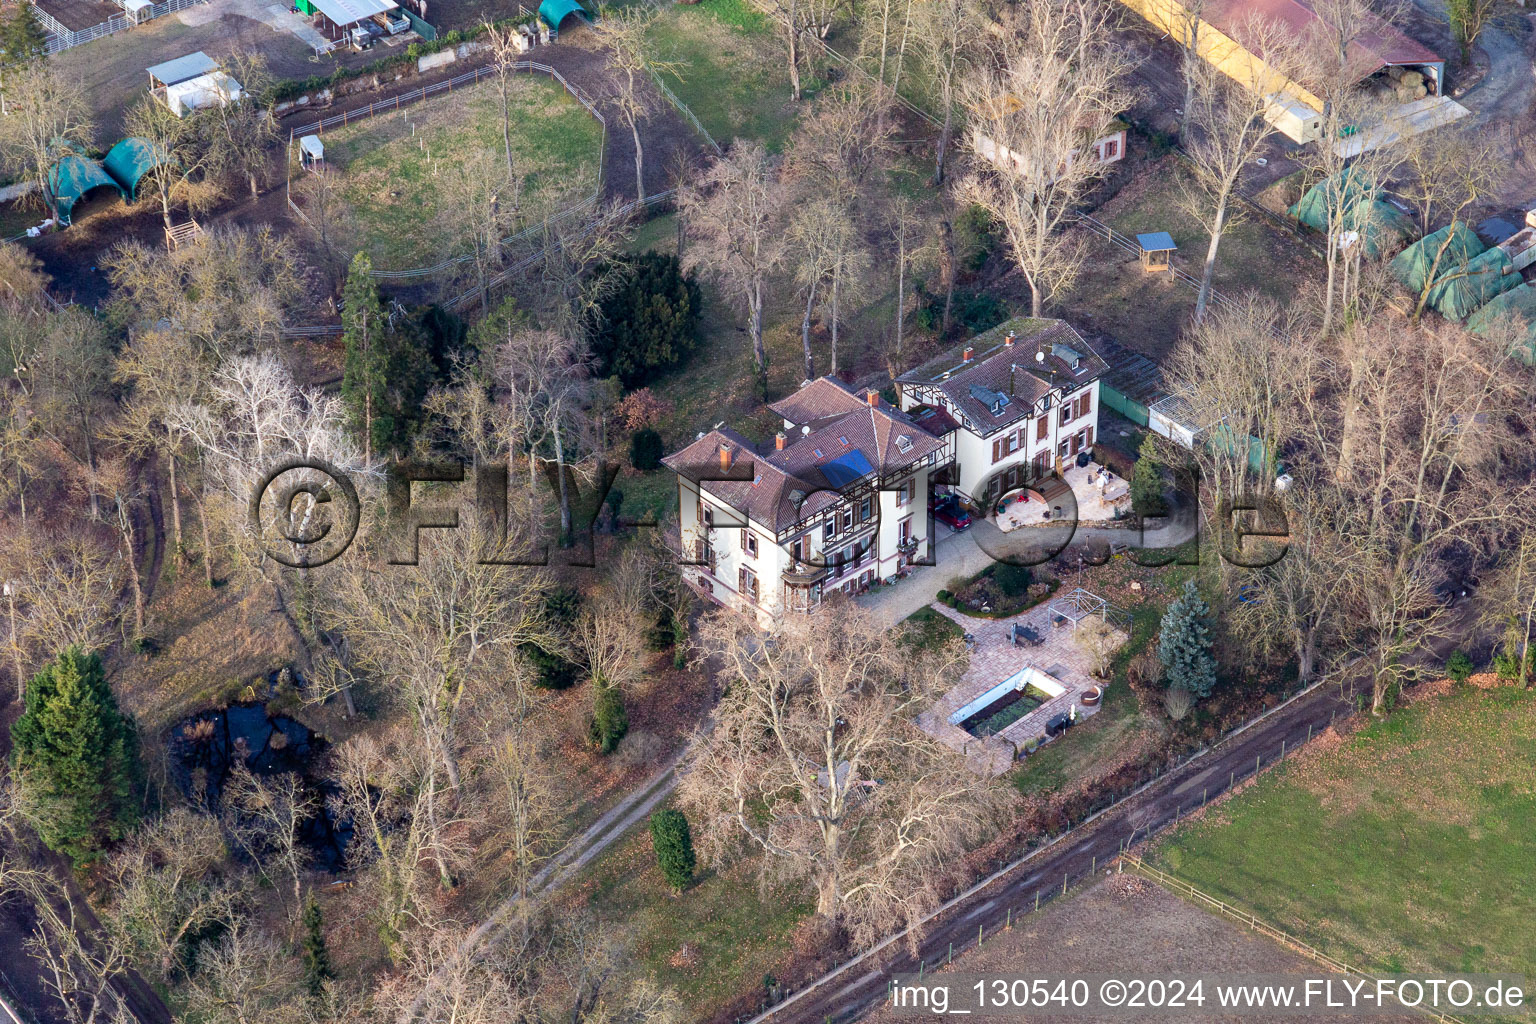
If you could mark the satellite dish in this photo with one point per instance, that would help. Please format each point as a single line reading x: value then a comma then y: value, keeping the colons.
x: 805, y: 431
x: 1040, y: 356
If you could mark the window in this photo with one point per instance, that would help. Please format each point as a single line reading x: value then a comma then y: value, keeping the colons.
x: 746, y: 581
x: 1085, y: 404
x: 1066, y: 413
x: 904, y: 493
x: 1111, y: 149
x: 1042, y: 428
x: 749, y: 543
x: 816, y: 452
x: 864, y: 510
x: 904, y: 531
x: 799, y: 548
x: 903, y: 444
x: 842, y: 440
x: 847, y: 518
x: 1061, y: 451
x: 708, y: 515
x: 828, y: 530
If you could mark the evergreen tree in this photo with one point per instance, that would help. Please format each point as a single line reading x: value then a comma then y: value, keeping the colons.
x: 1185, y: 645
x: 317, y: 959
x: 673, y: 844
x: 22, y: 36
x: 388, y: 370
x: 1147, y: 481
x: 650, y: 319
x: 609, y: 719
x: 76, y: 758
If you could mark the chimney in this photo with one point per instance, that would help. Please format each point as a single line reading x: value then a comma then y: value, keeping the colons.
x: 1009, y: 339
x: 968, y: 354
x: 779, y: 441
x: 873, y: 398
x: 725, y: 456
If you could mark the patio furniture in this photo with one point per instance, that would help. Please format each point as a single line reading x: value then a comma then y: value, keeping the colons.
x: 1026, y: 636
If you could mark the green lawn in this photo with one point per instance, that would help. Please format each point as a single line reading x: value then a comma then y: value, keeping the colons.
x: 735, y: 80
x: 391, y: 165
x: 711, y: 943
x: 1408, y: 847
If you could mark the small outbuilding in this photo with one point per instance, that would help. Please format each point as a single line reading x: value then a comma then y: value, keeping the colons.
x: 312, y: 153
x: 554, y: 13
x: 191, y: 83
x: 129, y: 161
x: 71, y: 178
x: 355, y: 20
x: 1157, y: 251
x: 182, y: 69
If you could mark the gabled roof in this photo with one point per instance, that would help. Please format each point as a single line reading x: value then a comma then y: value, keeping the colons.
x: 347, y: 12
x: 183, y: 69
x: 1045, y: 355
x: 841, y: 440
x: 1377, y: 46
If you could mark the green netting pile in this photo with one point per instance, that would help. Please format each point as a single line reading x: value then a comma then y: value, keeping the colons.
x: 71, y: 177
x: 131, y: 159
x: 1485, y: 277
x: 1455, y: 244
x: 1518, y: 302
x: 1381, y: 226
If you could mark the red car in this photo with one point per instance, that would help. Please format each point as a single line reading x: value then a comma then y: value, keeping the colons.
x: 948, y: 511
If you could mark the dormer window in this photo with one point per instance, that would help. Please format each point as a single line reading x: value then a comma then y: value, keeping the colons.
x: 903, y: 444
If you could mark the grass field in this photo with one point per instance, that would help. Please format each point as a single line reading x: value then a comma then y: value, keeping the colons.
x: 1405, y: 847
x: 733, y: 78
x: 711, y: 943
x: 391, y: 164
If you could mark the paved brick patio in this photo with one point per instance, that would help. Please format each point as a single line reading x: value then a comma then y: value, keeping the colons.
x: 993, y: 659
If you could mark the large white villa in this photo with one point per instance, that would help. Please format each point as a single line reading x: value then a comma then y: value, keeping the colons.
x: 840, y: 498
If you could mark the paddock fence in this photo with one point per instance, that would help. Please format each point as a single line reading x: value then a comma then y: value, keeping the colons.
x: 469, y: 78
x: 1253, y: 923
x: 60, y: 37
x: 682, y: 108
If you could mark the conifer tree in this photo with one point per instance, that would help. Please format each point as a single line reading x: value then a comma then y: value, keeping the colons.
x: 1185, y: 645
x: 22, y: 36
x: 362, y: 315
x: 76, y: 758
x: 673, y: 843
x: 317, y: 959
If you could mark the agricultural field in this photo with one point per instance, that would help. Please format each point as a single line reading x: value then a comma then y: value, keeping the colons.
x: 1404, y: 847
x: 397, y: 169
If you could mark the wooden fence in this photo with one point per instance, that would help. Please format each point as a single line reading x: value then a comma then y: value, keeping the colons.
x: 1252, y: 922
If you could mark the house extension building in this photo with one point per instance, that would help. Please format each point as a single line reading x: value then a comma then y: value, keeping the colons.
x: 1016, y: 404
x: 838, y: 501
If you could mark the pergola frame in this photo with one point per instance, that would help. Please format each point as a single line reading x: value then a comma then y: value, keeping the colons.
x: 1077, y: 605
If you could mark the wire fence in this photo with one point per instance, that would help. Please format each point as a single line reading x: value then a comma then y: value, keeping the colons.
x: 682, y: 108
x: 393, y: 104
x: 1133, y: 247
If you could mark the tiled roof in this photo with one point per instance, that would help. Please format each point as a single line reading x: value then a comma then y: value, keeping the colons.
x: 839, y: 421
x: 1045, y: 354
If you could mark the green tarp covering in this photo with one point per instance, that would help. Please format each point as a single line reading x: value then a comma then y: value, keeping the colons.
x: 1518, y: 302
x: 1412, y: 266
x: 128, y: 162
x: 1381, y: 226
x: 555, y: 11
x: 71, y: 177
x: 1486, y: 276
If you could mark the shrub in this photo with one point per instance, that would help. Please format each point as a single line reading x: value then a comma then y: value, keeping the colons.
x: 1012, y: 580
x: 650, y: 319
x: 645, y: 450
x: 976, y: 237
x: 1144, y: 670
x: 1458, y: 667
x: 1147, y: 481
x: 316, y: 958
x: 550, y: 670
x: 1178, y: 702
x: 673, y: 844
x: 561, y: 605
x: 609, y: 720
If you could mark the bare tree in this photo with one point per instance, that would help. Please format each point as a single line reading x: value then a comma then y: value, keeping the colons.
x: 1226, y: 129
x: 632, y: 57
x: 479, y: 207
x: 180, y: 155
x: 266, y: 816
x: 241, y: 133
x: 812, y: 231
x: 841, y: 144
x: 504, y: 51
x: 46, y: 116
x: 814, y: 762
x: 1447, y: 174
x: 950, y: 29
x: 246, y: 978
x: 1037, y: 106
x: 1511, y: 605
x: 737, y: 215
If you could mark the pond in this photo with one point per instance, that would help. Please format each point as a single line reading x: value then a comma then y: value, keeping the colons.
x: 205, y: 748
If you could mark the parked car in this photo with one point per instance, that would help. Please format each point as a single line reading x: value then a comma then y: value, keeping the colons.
x: 948, y: 511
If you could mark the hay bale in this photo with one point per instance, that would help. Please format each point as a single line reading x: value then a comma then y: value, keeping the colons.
x: 1395, y: 73
x: 1412, y: 79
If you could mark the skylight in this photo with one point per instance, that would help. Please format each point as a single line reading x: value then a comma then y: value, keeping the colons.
x: 816, y: 452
